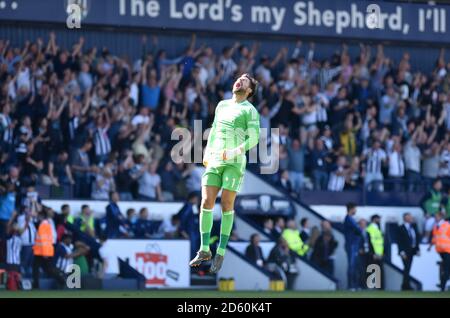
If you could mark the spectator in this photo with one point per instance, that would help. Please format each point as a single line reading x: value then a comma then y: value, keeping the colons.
x: 115, y: 221
x: 396, y: 167
x: 375, y: 158
x: 64, y: 254
x: 194, y: 178
x: 31, y: 201
x: 27, y: 231
x: 170, y: 176
x: 286, y: 183
x: 170, y: 228
x: 376, y: 244
x: 104, y: 183
x: 143, y: 226
x: 338, y: 175
x: 324, y: 248
x: 292, y: 237
x: 81, y: 165
x: 305, y: 233
x: 441, y: 240
x: 408, y: 240
x: 13, y: 250
x: 284, y: 258
x: 296, y: 153
x: 44, y: 252
x: 7, y: 207
x: 388, y: 103
x: 279, y: 227
x: 352, y: 235
x: 412, y: 164
x: 253, y: 252
x: 189, y: 221
x: 376, y: 237
x: 150, y: 87
x: 86, y: 222
x: 348, y: 135
x: 268, y: 226
x: 59, y: 170
x: 445, y: 204
x: 365, y: 255
x: 431, y: 203
x: 430, y: 163
x: 354, y: 175
x: 150, y: 184
x: 51, y: 221
x: 62, y: 220
x: 67, y: 254
x: 320, y: 159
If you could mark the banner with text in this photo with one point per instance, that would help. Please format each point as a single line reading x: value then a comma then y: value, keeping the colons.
x: 164, y: 263
x: 355, y: 19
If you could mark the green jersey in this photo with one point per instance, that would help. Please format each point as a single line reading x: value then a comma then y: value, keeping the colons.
x: 235, y: 125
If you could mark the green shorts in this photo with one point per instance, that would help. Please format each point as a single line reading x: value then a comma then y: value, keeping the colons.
x: 223, y: 176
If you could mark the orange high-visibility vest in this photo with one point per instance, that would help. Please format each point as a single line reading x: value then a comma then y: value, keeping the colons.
x: 441, y: 237
x: 43, y: 244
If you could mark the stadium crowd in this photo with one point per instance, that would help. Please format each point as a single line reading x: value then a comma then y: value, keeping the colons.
x: 89, y: 119
x: 93, y: 122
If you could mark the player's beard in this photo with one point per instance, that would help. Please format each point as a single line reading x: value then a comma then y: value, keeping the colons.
x: 239, y: 91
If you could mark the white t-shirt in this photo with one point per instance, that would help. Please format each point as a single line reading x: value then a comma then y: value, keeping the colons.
x: 139, y: 119
x: 148, y: 184
x: 134, y: 93
x: 29, y: 235
x: 166, y: 227
x: 396, y: 165
x: 412, y: 157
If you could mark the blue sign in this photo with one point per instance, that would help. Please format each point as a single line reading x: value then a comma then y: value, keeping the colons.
x: 325, y: 18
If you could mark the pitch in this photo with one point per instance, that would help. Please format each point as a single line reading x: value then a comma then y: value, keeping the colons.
x: 218, y: 294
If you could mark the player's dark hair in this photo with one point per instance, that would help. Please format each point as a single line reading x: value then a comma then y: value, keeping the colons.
x: 253, y: 84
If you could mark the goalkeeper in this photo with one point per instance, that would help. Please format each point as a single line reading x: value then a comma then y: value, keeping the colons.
x: 235, y: 130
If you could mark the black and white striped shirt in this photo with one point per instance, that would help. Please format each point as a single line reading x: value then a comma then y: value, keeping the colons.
x: 336, y: 182
x: 13, y: 248
x: 8, y: 134
x: 374, y: 160
x: 74, y: 122
x: 62, y: 262
x: 101, y: 141
x: 29, y: 234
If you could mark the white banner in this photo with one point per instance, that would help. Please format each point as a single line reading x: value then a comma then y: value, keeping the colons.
x: 164, y: 263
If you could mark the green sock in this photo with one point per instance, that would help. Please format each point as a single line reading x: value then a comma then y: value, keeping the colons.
x: 206, y: 223
x: 225, y: 230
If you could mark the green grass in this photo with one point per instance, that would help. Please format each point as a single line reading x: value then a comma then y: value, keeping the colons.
x: 217, y: 294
